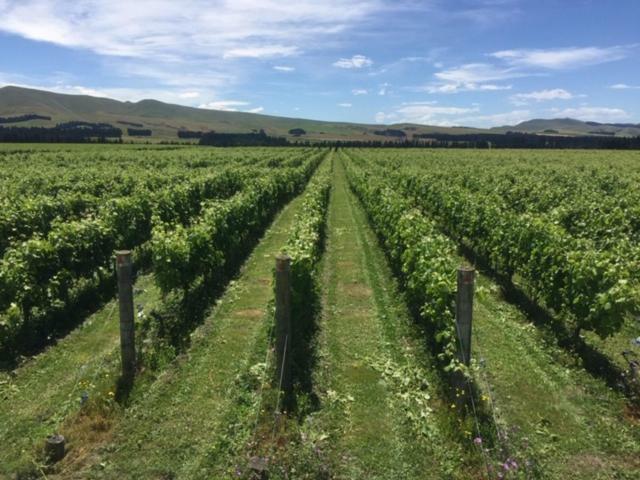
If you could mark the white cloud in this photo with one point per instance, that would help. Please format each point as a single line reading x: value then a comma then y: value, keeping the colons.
x: 226, y: 105
x: 384, y: 89
x: 357, y: 61
x: 624, y: 86
x: 494, y: 120
x: 380, y: 117
x: 595, y: 114
x: 359, y: 91
x: 427, y: 112
x: 256, y: 110
x: 463, y: 87
x: 562, y: 58
x: 471, y: 77
x: 431, y: 113
x: 261, y: 51
x: 474, y: 73
x: 345, y: 105
x: 165, y: 27
x: 282, y: 68
x: 542, y: 96
x: 189, y: 94
x: 197, y: 40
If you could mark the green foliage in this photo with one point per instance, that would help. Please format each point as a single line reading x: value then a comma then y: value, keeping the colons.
x: 424, y: 257
x: 77, y: 221
x: 304, y: 245
x: 182, y: 255
x: 537, y: 220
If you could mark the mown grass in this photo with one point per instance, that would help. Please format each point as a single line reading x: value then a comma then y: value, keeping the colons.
x: 187, y: 423
x: 38, y: 397
x: 555, y: 419
x: 379, y: 414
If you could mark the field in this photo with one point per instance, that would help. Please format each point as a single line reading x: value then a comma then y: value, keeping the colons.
x: 375, y: 237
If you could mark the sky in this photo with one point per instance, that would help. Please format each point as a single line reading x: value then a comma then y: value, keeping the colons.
x: 438, y: 62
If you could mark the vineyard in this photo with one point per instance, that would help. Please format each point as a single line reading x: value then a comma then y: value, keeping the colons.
x: 296, y: 313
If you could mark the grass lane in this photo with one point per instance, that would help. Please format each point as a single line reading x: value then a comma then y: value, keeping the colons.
x: 182, y: 423
x: 36, y: 398
x: 380, y: 416
x: 562, y: 420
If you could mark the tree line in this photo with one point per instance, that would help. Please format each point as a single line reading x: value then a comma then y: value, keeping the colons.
x: 59, y: 134
x: 23, y: 118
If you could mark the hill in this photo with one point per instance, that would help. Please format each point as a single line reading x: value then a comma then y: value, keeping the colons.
x: 570, y: 126
x: 165, y: 120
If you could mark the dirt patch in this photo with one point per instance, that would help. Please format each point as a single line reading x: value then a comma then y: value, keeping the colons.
x: 85, y: 434
x: 592, y: 463
x: 588, y: 462
x: 264, y: 280
x: 357, y: 290
x: 632, y: 413
x: 355, y: 313
x: 346, y: 264
x: 249, y: 313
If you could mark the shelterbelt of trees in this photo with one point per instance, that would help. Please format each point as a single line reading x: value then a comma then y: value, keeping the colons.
x: 80, y: 132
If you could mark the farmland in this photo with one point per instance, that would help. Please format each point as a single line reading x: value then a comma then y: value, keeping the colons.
x: 378, y: 388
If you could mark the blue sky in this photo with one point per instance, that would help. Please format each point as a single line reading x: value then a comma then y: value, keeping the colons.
x: 439, y: 62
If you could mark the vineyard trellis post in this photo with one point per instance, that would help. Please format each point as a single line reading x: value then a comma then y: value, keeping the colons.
x: 283, y: 321
x: 124, y: 268
x: 464, y: 311
x: 54, y: 448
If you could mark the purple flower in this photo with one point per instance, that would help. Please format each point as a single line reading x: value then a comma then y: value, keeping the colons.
x: 477, y: 441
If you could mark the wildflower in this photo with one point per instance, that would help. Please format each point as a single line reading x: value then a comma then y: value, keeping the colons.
x: 477, y: 441
x: 484, y: 398
x: 453, y: 405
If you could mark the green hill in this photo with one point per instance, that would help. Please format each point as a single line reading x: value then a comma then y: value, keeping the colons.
x: 166, y: 119
x: 570, y: 126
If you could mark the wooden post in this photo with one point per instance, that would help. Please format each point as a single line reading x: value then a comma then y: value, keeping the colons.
x: 54, y: 448
x: 283, y: 321
x: 124, y: 268
x: 464, y: 311
x: 258, y: 468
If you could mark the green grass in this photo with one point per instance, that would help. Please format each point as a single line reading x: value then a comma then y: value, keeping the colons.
x: 379, y: 415
x: 180, y: 425
x: 377, y: 408
x: 37, y: 398
x: 565, y: 422
x: 165, y: 119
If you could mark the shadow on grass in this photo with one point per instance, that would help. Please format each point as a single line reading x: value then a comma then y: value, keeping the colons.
x: 594, y: 361
x: 166, y: 332
x: 305, y: 309
x: 124, y: 386
x: 45, y: 330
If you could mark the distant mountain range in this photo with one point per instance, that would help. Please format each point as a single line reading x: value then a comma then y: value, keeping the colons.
x: 165, y: 120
